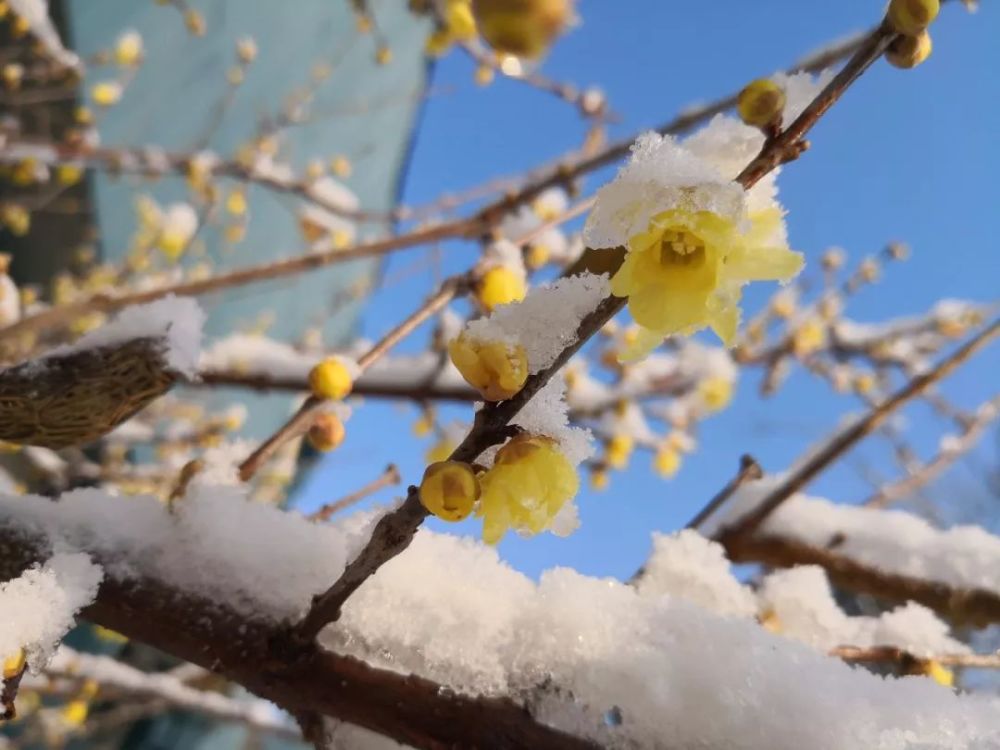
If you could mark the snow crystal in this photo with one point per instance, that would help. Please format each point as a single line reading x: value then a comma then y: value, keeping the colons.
x: 691, y: 567
x: 800, y: 90
x: 678, y: 676
x: 546, y: 320
x: 661, y: 174
x: 40, y: 605
x: 547, y: 414
x: 178, y: 320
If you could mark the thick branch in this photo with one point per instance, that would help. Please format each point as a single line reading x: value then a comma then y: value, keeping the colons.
x: 300, y: 677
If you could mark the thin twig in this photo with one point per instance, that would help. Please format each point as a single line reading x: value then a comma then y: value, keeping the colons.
x: 749, y: 471
x: 928, y: 471
x: 851, y: 434
x: 303, y: 418
x: 389, y: 477
x: 894, y: 654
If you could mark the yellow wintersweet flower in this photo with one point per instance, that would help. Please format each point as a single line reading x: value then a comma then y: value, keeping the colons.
x: 440, y: 450
x: 685, y: 272
x: 528, y: 485
x: 330, y: 379
x: 496, y: 369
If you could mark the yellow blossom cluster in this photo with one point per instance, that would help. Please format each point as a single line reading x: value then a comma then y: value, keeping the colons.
x: 528, y: 485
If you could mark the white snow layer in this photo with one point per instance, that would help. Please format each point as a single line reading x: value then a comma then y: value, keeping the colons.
x: 38, y: 608
x: 177, y: 320
x: 630, y: 669
x: 596, y: 657
x: 546, y: 320
x: 895, y: 541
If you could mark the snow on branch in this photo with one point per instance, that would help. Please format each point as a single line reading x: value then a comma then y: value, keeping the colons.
x: 39, y: 606
x: 568, y: 657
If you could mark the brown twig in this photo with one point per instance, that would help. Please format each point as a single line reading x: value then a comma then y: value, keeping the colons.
x: 394, y: 531
x: 749, y: 471
x: 902, y: 657
x: 928, y: 471
x: 302, y: 419
x: 389, y: 477
x: 847, y: 437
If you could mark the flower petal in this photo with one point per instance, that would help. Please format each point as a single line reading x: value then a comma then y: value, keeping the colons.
x: 763, y: 264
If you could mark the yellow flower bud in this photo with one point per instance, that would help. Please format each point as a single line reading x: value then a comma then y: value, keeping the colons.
x: 537, y: 256
x: 440, y: 451
x: 106, y: 93
x: 910, y: 17
x: 599, y: 480
x: 14, y: 665
x: 770, y: 621
x: 16, y: 218
x: 760, y: 103
x: 496, y: 369
x: 330, y: 379
x: 236, y: 203
x: 75, y: 712
x: 666, y: 461
x: 938, y: 672
x: 194, y: 21
x: 424, y: 425
x: 809, y: 337
x: 449, y: 490
x: 715, y: 392
x: 341, y: 166
x: 383, y: 56
x: 524, y: 28
x: 128, y: 49
x: 484, y: 75
x: 618, y: 450
x: 500, y: 286
x: 864, y: 383
x: 326, y: 433
x: 909, y: 51
x: 69, y: 174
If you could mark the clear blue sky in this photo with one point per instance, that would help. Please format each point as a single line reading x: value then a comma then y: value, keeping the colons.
x: 908, y: 155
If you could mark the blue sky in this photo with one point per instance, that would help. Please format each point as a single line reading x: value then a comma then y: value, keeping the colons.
x: 908, y: 155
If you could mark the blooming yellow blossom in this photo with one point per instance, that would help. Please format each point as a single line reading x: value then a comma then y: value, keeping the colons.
x: 496, y: 369
x: 330, y: 379
x: 685, y: 272
x: 500, y: 286
x: 449, y: 490
x: 910, y: 17
x: 457, y: 25
x: 528, y: 485
x: 106, y: 93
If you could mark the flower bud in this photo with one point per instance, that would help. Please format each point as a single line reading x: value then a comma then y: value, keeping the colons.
x: 500, y: 286
x: 496, y: 369
x: 523, y: 28
x: 449, y: 490
x: 327, y: 432
x: 909, y: 51
x: 760, y: 103
x: 910, y: 17
x: 330, y: 379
